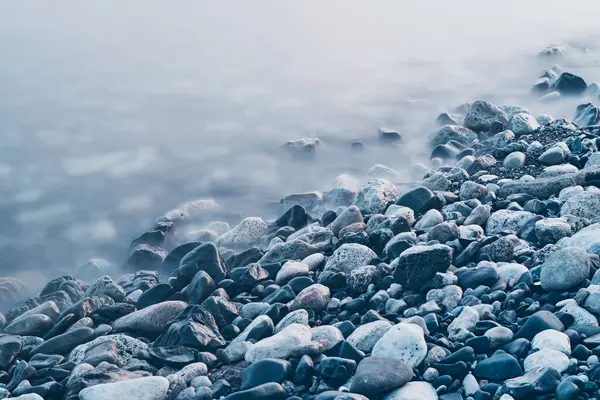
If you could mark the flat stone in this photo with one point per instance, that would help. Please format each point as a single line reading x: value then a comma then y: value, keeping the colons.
x: 267, y: 391
x: 31, y: 325
x: 152, y: 319
x: 585, y: 204
x: 375, y: 377
x: 346, y: 258
x: 147, y: 388
x: 63, y: 344
x: 541, y: 188
x: 486, y: 117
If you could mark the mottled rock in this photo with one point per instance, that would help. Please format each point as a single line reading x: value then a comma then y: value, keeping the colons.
x: 403, y: 342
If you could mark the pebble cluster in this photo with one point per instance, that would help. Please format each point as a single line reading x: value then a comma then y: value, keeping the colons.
x: 480, y: 283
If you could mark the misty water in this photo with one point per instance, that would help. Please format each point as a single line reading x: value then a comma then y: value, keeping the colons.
x: 113, y: 113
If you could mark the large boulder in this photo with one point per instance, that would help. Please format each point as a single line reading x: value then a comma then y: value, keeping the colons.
x: 585, y: 204
x: 587, y: 114
x: 120, y: 348
x: 565, y: 269
x: 205, y: 257
x: 523, y: 124
x: 570, y: 84
x: 506, y: 221
x: 195, y: 327
x: 376, y: 195
x: 247, y: 232
x: 452, y: 132
x: 486, y: 117
x: 418, y: 265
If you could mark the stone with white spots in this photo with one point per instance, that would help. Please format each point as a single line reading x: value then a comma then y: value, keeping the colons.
x: 404, y: 342
x: 348, y: 257
x: 506, y: 220
x: 565, y: 269
x: 382, y: 171
x: 585, y: 204
x: 484, y: 116
x: 523, y: 124
x: 247, y: 232
x: 192, y: 212
x: 152, y: 319
x: 376, y: 195
x: 106, y: 286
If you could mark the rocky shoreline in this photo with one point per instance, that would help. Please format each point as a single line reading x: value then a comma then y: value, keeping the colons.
x: 478, y: 283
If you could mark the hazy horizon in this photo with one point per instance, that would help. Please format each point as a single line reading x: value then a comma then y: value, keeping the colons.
x: 113, y: 113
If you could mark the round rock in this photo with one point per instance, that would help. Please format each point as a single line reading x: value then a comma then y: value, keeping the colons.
x: 551, y: 339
